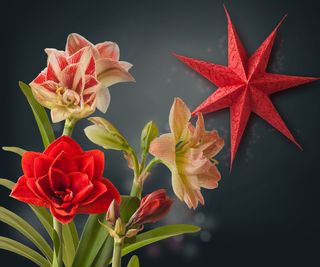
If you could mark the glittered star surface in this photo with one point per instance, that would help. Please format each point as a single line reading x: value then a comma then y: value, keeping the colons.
x: 244, y: 86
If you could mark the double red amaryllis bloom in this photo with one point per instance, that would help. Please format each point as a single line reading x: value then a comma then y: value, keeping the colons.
x: 65, y: 179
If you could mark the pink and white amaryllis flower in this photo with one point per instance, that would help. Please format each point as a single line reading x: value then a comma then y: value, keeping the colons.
x: 188, y: 152
x: 68, y: 85
x: 109, y: 69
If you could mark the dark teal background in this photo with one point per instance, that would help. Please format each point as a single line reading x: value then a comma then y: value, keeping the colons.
x: 266, y: 212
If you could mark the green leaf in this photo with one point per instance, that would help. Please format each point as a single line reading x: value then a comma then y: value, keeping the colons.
x: 158, y: 234
x: 7, y: 183
x: 27, y: 230
x: 14, y: 149
x: 127, y: 207
x: 70, y: 243
x: 57, y: 247
x: 91, y: 241
x: 40, y: 115
x: 43, y: 215
x: 134, y: 261
x: 20, y: 249
x: 105, y: 253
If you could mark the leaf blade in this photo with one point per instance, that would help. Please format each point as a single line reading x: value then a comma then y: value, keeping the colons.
x: 22, y: 226
x: 158, y: 234
x: 40, y: 115
x: 14, y: 149
x: 134, y: 261
x: 24, y: 251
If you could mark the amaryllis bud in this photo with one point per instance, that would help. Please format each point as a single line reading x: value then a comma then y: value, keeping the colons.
x: 153, y: 208
x: 104, y: 134
x: 113, y: 213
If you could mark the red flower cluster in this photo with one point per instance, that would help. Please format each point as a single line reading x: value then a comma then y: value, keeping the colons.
x: 65, y: 179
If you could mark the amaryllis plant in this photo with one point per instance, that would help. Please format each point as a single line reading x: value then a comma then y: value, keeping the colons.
x: 64, y: 180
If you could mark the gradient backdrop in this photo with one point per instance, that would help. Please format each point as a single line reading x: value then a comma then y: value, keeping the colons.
x: 265, y: 213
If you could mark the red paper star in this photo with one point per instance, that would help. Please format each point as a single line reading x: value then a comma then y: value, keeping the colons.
x: 244, y: 86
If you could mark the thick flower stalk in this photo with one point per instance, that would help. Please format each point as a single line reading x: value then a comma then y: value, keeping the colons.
x: 65, y: 179
x: 188, y: 152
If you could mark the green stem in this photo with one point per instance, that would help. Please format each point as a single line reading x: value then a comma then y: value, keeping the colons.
x: 136, y: 189
x: 136, y: 167
x: 151, y: 163
x: 68, y: 126
x: 57, y: 226
x: 116, y: 258
x: 137, y: 185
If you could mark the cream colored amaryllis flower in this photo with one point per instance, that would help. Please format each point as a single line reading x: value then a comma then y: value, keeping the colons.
x: 68, y: 85
x: 188, y: 152
x: 109, y: 70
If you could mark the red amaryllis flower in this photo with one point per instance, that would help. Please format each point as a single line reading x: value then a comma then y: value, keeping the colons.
x: 65, y: 179
x: 153, y: 208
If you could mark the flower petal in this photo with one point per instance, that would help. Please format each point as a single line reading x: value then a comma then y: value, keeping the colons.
x: 45, y: 97
x: 164, y: 148
x: 85, y: 164
x: 126, y: 65
x: 100, y: 197
x: 178, y: 118
x: 63, y: 143
x: 22, y: 192
x: 63, y: 163
x: 64, y: 216
x: 42, y: 165
x: 109, y: 50
x: 58, y: 180
x: 98, y: 157
x: 103, y: 99
x: 56, y: 63
x: 210, y: 178
x: 58, y: 114
x: 110, y: 72
x: 80, y: 185
x: 27, y: 162
x: 75, y: 42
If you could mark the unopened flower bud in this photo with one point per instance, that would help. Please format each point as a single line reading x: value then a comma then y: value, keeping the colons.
x: 104, y: 134
x: 133, y: 232
x: 153, y: 208
x: 120, y: 228
x: 113, y: 213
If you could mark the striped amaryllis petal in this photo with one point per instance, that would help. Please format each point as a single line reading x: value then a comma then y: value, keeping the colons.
x: 103, y: 99
x: 75, y: 42
x: 109, y: 50
x: 85, y: 57
x: 126, y: 65
x: 57, y: 61
x: 110, y: 72
x: 44, y: 96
